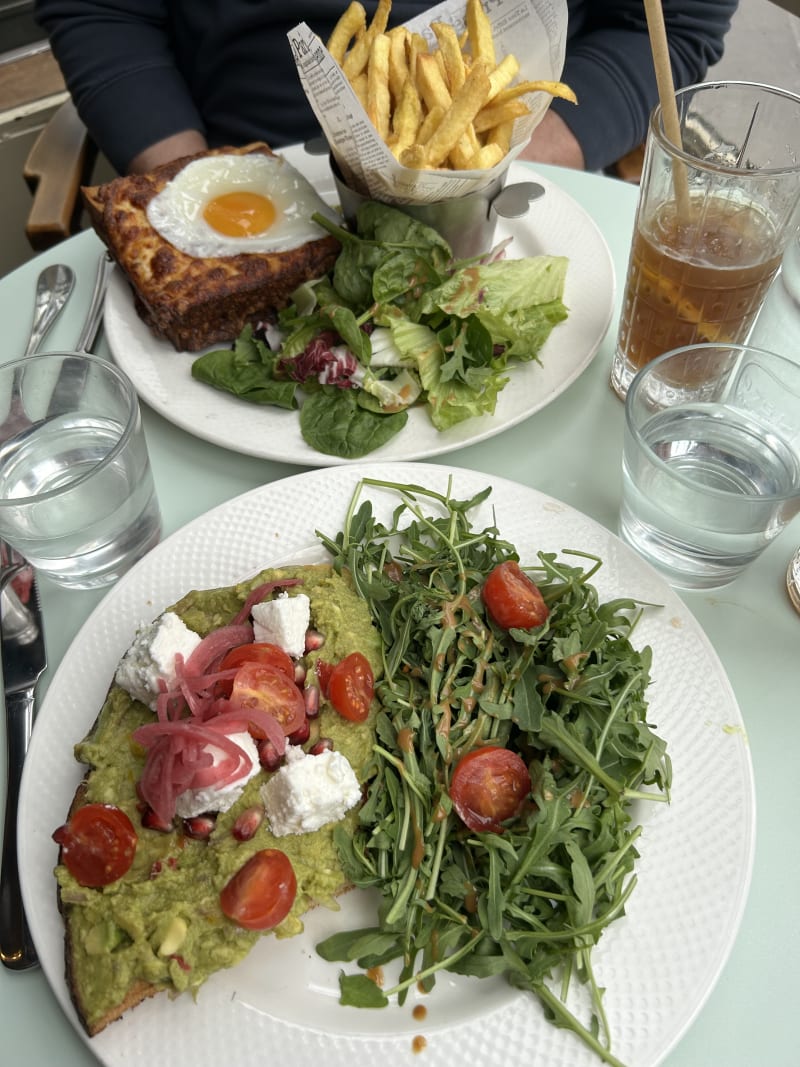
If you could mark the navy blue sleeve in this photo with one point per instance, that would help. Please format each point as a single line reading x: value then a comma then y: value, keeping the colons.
x: 120, y: 70
x: 142, y: 70
x: 609, y: 65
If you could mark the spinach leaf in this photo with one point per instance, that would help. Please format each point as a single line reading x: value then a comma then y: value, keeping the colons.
x: 246, y: 370
x: 333, y: 422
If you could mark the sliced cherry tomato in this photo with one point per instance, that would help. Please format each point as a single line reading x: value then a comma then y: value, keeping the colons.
x: 259, y: 686
x: 488, y: 786
x: 259, y: 652
x: 98, y: 844
x: 261, y: 893
x: 350, y: 687
x: 512, y: 599
x: 324, y: 671
x: 254, y: 652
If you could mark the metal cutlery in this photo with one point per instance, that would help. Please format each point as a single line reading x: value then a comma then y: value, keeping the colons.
x: 72, y: 376
x: 22, y: 648
x: 24, y: 658
x: 53, y: 289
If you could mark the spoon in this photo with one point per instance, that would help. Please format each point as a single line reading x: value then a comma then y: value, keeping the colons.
x: 53, y: 289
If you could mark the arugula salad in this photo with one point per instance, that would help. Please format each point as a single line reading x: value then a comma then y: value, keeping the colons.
x: 512, y: 742
x: 397, y: 322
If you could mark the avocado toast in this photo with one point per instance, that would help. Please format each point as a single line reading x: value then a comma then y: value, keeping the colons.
x: 165, y: 923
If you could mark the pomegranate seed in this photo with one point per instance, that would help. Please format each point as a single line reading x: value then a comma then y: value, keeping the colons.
x: 314, y: 640
x: 152, y: 822
x: 325, y: 744
x: 301, y: 734
x: 299, y: 673
x: 311, y: 698
x: 158, y: 866
x: 199, y: 827
x: 247, y: 823
x: 268, y: 755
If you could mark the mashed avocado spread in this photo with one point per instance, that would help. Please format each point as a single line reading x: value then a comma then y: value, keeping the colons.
x: 161, y: 924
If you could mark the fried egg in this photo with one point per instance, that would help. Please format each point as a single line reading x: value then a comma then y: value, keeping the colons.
x: 225, y: 205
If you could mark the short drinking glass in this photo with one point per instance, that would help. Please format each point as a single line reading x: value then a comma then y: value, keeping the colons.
x: 76, y: 490
x: 711, y: 460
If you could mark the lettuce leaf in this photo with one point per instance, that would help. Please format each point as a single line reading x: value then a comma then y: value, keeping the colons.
x: 457, y: 324
x: 451, y: 398
x: 517, y: 300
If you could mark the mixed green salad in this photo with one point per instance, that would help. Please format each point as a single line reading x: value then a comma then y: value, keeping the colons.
x: 397, y: 322
x: 512, y: 744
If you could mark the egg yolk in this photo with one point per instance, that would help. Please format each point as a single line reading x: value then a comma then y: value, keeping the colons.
x: 240, y: 214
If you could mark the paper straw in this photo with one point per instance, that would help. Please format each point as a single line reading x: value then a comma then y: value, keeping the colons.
x: 666, y: 96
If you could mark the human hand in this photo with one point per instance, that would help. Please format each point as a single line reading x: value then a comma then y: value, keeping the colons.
x: 554, y: 142
x: 185, y: 143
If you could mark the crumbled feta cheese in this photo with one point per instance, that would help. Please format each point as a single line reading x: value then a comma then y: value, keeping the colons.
x: 198, y: 801
x: 151, y: 657
x: 283, y: 621
x: 309, y: 791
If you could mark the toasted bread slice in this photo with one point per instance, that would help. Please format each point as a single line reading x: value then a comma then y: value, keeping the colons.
x: 190, y: 301
x: 121, y: 945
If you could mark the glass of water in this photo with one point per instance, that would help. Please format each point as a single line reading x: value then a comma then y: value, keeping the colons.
x: 76, y: 490
x: 711, y: 460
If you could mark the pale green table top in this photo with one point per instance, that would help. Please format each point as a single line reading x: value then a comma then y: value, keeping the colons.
x: 570, y: 450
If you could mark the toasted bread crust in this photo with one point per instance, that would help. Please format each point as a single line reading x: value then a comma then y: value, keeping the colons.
x: 138, y: 991
x: 189, y: 301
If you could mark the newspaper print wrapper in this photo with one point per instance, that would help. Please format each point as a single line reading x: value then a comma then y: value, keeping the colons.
x: 533, y: 30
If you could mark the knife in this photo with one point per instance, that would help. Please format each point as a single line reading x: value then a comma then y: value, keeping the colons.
x: 72, y: 376
x: 22, y: 651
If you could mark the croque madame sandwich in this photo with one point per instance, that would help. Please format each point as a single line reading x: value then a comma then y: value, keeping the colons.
x: 231, y: 744
x: 214, y: 241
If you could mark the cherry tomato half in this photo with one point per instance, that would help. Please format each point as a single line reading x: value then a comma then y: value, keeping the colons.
x: 488, y: 786
x: 259, y: 652
x: 259, y: 686
x: 350, y: 687
x: 98, y: 844
x: 263, y: 652
x: 261, y: 893
x: 512, y: 599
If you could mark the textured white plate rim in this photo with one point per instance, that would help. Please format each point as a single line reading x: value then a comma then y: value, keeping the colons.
x: 556, y: 224
x: 541, y: 522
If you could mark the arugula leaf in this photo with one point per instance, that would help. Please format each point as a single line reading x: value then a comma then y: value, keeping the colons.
x: 569, y: 697
x: 359, y: 991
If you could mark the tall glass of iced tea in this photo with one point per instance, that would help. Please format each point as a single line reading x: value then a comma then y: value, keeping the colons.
x: 714, y: 216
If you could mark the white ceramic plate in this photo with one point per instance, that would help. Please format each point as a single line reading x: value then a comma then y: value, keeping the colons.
x: 554, y: 225
x: 658, y: 963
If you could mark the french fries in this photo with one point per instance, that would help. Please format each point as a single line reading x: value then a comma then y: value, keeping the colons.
x: 451, y: 104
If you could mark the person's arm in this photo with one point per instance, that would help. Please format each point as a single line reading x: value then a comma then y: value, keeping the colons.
x: 119, y: 69
x: 609, y: 66
x: 180, y: 144
x: 554, y: 142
